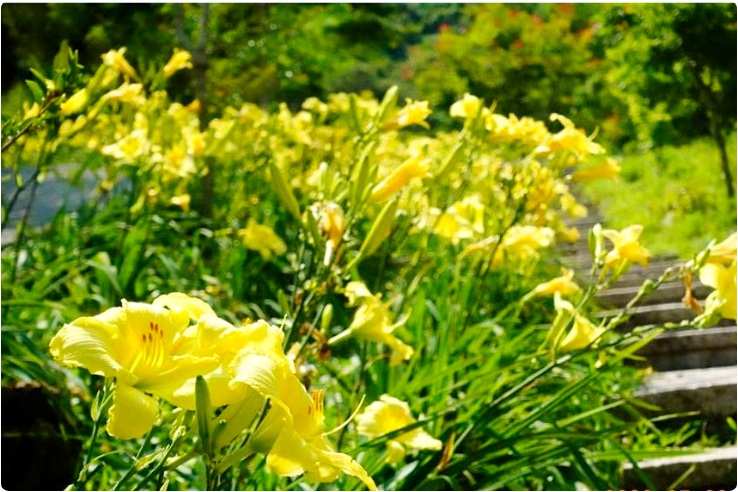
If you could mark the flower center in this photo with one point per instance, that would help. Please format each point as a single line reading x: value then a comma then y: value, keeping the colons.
x: 151, y: 354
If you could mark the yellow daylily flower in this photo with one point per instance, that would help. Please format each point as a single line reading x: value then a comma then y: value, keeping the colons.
x: 182, y: 201
x: 178, y: 164
x: 128, y: 93
x: 606, y: 169
x: 291, y: 434
x: 583, y: 332
x: 116, y: 59
x: 180, y: 60
x: 523, y: 242
x: 141, y: 346
x: 414, y: 113
x: 415, y: 167
x: 528, y: 238
x: 388, y: 415
x: 263, y: 239
x: 569, y: 138
x: 467, y: 107
x: 723, y: 280
x: 130, y: 147
x: 372, y: 321
x: 316, y: 105
x: 563, y: 285
x: 462, y: 220
x: 580, y: 335
x: 506, y: 129
x: 626, y: 246
x: 31, y: 111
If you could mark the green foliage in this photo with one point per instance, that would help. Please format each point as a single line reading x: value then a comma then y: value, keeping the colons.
x: 527, y: 62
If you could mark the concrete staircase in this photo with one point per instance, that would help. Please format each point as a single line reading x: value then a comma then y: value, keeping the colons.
x: 694, y: 369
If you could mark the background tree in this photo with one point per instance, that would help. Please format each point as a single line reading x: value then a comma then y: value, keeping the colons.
x: 676, y: 84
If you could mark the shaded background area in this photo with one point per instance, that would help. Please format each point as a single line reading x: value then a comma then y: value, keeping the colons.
x: 649, y: 74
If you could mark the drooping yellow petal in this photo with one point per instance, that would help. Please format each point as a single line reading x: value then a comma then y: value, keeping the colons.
x: 132, y: 414
x: 75, y: 103
x: 127, y: 93
x: 332, y: 222
x: 176, y: 382
x: 395, y: 452
x: 462, y: 220
x: 356, y: 290
x: 581, y: 334
x: 569, y: 138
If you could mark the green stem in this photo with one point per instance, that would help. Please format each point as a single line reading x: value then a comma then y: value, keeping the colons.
x: 106, y: 398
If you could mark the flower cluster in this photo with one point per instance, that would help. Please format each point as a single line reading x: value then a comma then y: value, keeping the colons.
x: 155, y: 351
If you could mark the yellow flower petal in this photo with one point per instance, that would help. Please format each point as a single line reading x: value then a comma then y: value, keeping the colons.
x: 415, y: 167
x: 180, y: 60
x: 263, y: 239
x: 582, y: 333
x: 723, y: 280
x: 132, y: 414
x: 414, y: 113
x: 116, y: 60
x: 88, y: 342
x: 564, y: 285
x: 395, y: 452
x: 176, y: 301
x: 607, y: 169
x: 75, y: 103
x: 724, y: 251
x: 467, y: 107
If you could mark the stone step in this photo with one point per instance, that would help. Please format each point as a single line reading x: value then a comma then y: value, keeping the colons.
x: 582, y: 262
x: 656, y: 314
x: 692, y: 349
x: 713, y: 469
x: 636, y: 276
x: 670, y: 292
x: 711, y: 391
